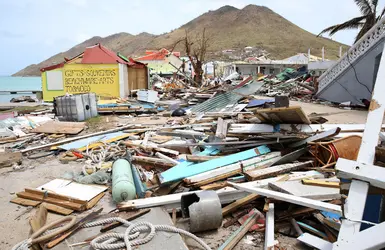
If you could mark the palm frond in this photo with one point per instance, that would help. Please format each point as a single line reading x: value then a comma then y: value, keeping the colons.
x: 364, y: 6
x: 363, y: 31
x: 374, y: 5
x: 351, y: 24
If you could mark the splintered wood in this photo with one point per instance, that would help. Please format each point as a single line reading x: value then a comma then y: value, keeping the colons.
x: 290, y: 115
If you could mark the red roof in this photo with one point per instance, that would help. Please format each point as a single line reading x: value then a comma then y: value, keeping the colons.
x: 100, y: 54
x: 152, y: 55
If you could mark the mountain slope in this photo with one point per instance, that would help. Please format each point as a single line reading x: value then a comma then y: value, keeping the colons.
x: 227, y: 27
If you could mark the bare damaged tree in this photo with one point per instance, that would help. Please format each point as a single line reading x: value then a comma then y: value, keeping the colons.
x: 196, y: 51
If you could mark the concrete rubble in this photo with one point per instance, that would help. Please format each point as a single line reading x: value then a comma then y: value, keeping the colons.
x: 218, y: 152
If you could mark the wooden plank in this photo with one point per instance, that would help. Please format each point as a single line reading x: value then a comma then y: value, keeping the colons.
x: 78, y: 225
x: 57, y: 209
x: 217, y: 178
x: 276, y: 170
x: 165, y: 157
x: 25, y: 202
x: 95, y: 200
x: 200, y: 158
x: 290, y: 115
x: 37, y: 221
x: 181, y: 171
x: 252, y: 163
x: 235, y: 237
x: 7, y: 159
x: 57, y: 127
x: 62, y: 203
x: 291, y: 198
x: 53, y: 195
x: 239, y: 203
x: 152, y: 161
x: 222, y: 128
x: 318, y: 183
x: 235, y: 219
x: 214, y: 186
x: 317, y: 137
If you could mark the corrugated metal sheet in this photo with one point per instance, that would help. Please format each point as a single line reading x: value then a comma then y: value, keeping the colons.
x: 230, y: 98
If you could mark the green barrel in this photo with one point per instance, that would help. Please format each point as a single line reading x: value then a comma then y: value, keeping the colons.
x: 123, y: 187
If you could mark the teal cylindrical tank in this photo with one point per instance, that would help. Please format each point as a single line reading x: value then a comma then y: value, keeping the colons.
x: 123, y: 187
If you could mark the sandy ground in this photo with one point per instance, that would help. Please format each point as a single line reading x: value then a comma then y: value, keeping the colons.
x: 14, y: 218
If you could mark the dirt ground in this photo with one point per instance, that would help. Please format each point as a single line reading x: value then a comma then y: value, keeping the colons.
x: 14, y: 218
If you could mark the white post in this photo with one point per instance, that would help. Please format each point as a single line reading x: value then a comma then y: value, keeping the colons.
x: 323, y: 53
x: 259, y: 69
x: 308, y: 55
x: 340, y: 51
x: 355, y: 204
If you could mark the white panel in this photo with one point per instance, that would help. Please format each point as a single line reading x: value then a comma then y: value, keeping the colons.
x: 123, y: 80
x: 55, y: 80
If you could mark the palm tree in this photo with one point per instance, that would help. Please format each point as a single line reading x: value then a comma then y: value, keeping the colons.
x: 365, y: 22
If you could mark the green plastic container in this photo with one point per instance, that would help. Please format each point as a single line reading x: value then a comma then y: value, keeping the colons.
x: 123, y: 187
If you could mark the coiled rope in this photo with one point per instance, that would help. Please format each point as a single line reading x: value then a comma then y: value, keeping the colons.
x: 109, y: 241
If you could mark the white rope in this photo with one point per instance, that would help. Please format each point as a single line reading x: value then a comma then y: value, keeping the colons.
x: 109, y: 241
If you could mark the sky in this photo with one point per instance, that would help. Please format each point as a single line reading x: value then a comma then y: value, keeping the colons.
x: 33, y: 30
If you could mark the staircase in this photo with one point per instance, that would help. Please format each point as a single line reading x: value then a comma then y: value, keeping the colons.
x: 352, y: 77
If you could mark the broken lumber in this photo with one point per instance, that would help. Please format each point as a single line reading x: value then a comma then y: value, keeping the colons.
x: 180, y: 171
x: 329, y: 184
x: 200, y: 158
x: 239, y: 203
x: 151, y: 160
x: 276, y: 170
x: 235, y: 237
x: 75, y: 138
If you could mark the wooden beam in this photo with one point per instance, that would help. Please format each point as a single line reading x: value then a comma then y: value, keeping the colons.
x: 165, y: 157
x: 291, y: 198
x: 239, y: 203
x: 329, y: 184
x: 276, y: 170
x: 200, y: 158
x: 214, y: 186
x: 235, y: 237
x: 37, y: 221
x: 57, y: 209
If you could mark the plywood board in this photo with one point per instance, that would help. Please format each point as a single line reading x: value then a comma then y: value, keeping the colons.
x: 73, y: 189
x: 56, y: 127
x: 312, y: 192
x: 290, y: 115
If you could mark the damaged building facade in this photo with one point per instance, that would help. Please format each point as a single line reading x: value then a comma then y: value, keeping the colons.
x: 98, y: 70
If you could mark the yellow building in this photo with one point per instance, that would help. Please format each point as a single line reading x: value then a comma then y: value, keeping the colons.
x: 97, y: 70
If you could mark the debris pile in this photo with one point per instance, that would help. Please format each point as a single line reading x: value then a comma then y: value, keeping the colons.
x: 297, y: 84
x: 226, y: 161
